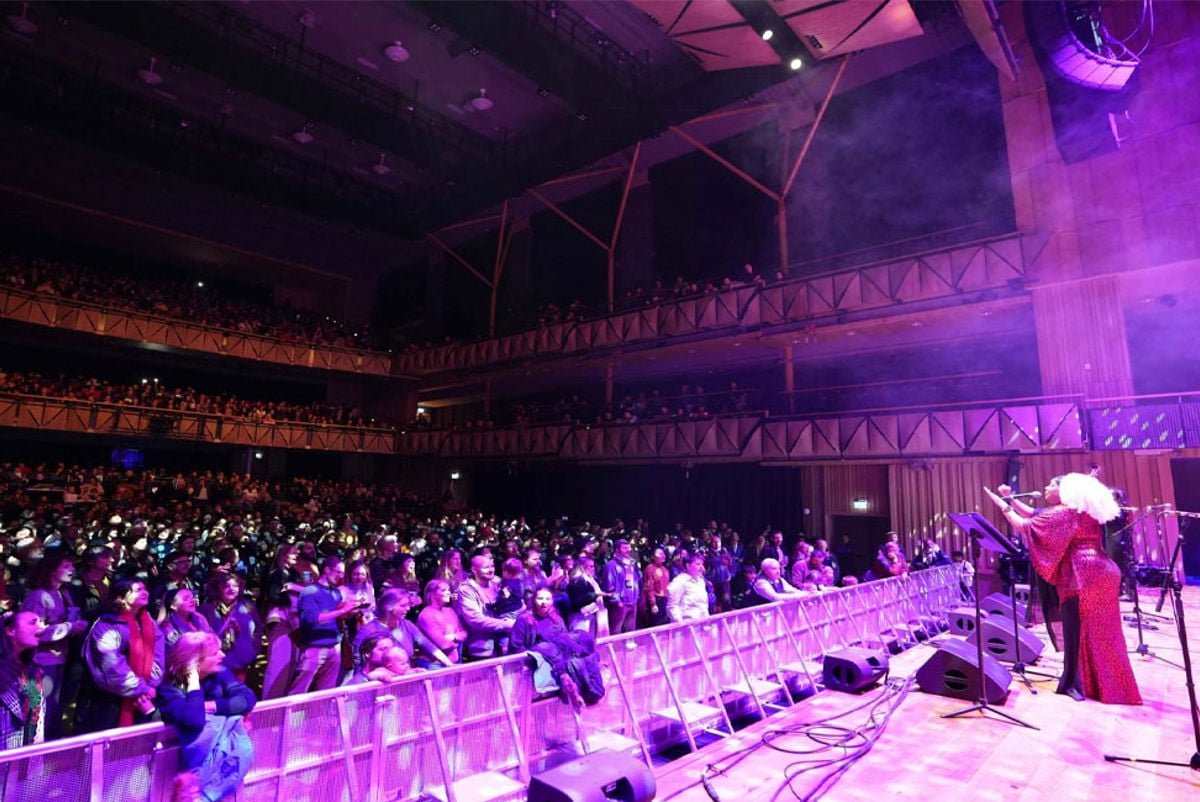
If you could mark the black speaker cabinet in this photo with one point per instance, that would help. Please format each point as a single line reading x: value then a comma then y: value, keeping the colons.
x: 852, y: 669
x: 999, y: 643
x: 953, y: 670
x: 997, y: 604
x: 962, y: 620
x: 596, y: 777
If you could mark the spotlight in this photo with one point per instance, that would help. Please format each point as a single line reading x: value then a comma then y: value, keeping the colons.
x: 474, y: 50
x: 397, y: 52
x: 795, y: 64
x: 582, y: 117
x: 768, y: 34
x: 436, y: 27
x: 303, y: 135
x: 258, y: 455
x: 455, y: 476
x: 543, y: 92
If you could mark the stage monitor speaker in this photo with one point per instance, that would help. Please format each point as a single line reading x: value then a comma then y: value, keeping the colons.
x: 997, y: 604
x: 962, y: 620
x: 595, y: 777
x: 998, y: 641
x: 953, y: 670
x: 852, y: 669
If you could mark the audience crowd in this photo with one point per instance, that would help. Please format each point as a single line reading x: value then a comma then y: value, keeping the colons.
x: 194, y: 302
x: 305, y: 583
x: 150, y: 393
x: 576, y: 311
x: 691, y: 403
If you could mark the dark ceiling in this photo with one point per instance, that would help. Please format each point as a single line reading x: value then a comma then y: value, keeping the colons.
x: 407, y: 116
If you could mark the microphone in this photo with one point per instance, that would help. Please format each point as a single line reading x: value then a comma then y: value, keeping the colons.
x: 1030, y: 494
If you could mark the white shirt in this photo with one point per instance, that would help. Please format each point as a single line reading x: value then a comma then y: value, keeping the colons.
x: 687, y: 598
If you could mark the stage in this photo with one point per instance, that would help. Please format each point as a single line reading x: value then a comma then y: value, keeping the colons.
x: 921, y: 756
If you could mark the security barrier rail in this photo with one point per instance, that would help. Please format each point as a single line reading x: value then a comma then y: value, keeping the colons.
x: 478, y: 731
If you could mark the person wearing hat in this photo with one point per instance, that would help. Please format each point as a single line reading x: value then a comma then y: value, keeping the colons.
x: 49, y: 600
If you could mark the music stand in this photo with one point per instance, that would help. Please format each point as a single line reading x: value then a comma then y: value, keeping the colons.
x: 983, y: 536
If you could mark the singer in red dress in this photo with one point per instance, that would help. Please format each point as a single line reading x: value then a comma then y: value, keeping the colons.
x: 1067, y: 549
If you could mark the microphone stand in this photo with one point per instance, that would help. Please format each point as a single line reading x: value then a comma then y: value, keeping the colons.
x: 981, y: 704
x: 1142, y: 648
x: 1019, y: 668
x: 1176, y: 589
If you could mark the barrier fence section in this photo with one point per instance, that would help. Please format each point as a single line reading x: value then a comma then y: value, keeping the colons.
x: 479, y: 731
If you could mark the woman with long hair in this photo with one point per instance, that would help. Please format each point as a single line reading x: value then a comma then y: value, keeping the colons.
x: 440, y: 621
x: 22, y: 699
x: 206, y: 704
x: 180, y: 615
x: 450, y: 570
x: 47, y: 597
x: 358, y: 584
x: 1067, y: 549
x: 406, y: 577
x: 283, y: 586
x: 234, y: 620
x: 586, y: 599
x: 125, y: 653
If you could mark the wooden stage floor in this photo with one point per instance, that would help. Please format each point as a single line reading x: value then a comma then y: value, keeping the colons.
x: 921, y: 756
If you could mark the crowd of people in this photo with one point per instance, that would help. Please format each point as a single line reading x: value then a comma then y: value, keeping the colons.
x: 660, y: 292
x: 307, y: 583
x: 193, y: 302
x: 153, y: 394
x: 691, y: 403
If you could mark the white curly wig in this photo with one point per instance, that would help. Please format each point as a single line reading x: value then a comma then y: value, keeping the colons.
x: 1088, y: 495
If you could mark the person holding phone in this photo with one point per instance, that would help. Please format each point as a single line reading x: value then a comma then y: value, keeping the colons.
x: 321, y: 608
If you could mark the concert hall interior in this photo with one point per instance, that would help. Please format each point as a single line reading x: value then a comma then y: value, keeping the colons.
x: 621, y: 399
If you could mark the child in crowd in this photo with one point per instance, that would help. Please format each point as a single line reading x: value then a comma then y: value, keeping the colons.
x: 510, y: 597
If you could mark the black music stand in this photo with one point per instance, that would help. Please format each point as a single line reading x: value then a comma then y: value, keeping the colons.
x: 983, y: 536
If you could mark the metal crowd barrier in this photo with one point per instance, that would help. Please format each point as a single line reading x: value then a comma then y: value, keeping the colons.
x: 478, y: 731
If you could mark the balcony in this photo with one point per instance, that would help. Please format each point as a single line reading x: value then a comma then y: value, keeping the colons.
x: 172, y: 333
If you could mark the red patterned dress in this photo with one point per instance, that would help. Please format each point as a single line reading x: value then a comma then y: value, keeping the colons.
x: 1067, y: 550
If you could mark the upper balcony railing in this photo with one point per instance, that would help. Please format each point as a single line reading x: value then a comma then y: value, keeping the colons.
x: 1026, y: 425
x: 928, y: 277
x: 85, y: 417
x: 1030, y: 426
x: 128, y: 324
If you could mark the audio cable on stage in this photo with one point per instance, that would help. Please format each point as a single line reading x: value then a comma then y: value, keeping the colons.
x: 851, y: 743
